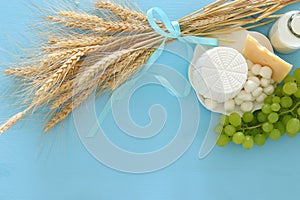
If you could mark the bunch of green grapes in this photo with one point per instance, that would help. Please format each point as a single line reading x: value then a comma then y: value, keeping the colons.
x: 279, y: 115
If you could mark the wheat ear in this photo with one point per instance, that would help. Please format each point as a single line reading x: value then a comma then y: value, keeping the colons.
x: 13, y: 120
x: 60, y: 73
x: 79, y: 42
x: 96, y: 24
x: 28, y: 71
x: 101, y: 66
x: 61, y: 100
x: 122, y: 12
x: 131, y: 69
x: 68, y: 108
x: 66, y: 87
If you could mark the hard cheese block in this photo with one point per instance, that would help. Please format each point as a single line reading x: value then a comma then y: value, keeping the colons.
x: 255, y: 52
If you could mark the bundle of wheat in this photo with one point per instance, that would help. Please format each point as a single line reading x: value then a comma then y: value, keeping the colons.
x: 103, y: 50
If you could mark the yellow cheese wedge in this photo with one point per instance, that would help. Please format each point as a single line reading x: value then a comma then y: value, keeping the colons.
x: 257, y: 53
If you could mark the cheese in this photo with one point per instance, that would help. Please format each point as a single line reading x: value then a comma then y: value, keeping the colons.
x: 219, y: 74
x: 258, y: 54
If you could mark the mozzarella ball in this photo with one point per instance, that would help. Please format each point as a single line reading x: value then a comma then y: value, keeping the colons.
x: 238, y: 101
x: 250, y: 73
x: 272, y: 81
x: 247, y: 106
x: 265, y: 82
x: 256, y: 69
x: 261, y: 98
x: 229, y: 105
x: 269, y: 90
x: 255, y: 79
x: 210, y: 104
x: 265, y: 72
x: 257, y: 92
x: 244, y: 96
x: 250, y: 64
x: 250, y: 86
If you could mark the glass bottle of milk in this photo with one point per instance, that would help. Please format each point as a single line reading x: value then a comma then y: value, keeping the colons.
x: 285, y: 33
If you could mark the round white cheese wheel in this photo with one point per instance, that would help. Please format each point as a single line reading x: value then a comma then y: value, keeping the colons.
x: 220, y: 73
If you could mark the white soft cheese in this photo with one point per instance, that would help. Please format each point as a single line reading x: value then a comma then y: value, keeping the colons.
x: 220, y: 73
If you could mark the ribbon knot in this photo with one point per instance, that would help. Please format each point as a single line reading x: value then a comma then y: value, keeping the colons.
x: 173, y: 29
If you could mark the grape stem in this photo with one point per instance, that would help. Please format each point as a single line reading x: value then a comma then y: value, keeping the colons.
x: 283, y: 113
x: 291, y: 110
x: 251, y: 127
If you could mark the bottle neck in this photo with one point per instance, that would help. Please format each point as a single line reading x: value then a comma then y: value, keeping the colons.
x: 294, y: 24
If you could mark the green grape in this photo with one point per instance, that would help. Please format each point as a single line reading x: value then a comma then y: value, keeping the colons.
x: 275, y: 107
x: 298, y: 111
x: 273, y: 117
x: 286, y: 118
x: 223, y: 140
x: 297, y: 74
x: 266, y: 134
x: 218, y: 129
x: 286, y: 102
x: 261, y: 117
x: 248, y: 142
x: 260, y: 139
x: 266, y: 108
x: 290, y: 88
x: 248, y: 117
x: 289, y: 78
x: 235, y: 119
x: 238, y: 138
x: 224, y: 120
x: 292, y: 127
x: 275, y: 134
x: 267, y: 127
x: 276, y: 99
x: 280, y: 126
x: 278, y: 91
x: 254, y: 122
x: 229, y: 130
x: 297, y: 93
x: 268, y: 100
x: 255, y: 131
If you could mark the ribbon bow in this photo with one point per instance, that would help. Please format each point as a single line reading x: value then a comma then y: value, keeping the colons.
x: 173, y: 28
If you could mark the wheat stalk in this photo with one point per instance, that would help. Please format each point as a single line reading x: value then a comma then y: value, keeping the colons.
x: 101, y: 66
x: 127, y: 72
x: 96, y: 24
x: 28, y: 71
x: 79, y: 42
x: 122, y: 12
x: 60, y: 73
x: 67, y: 109
x: 13, y: 120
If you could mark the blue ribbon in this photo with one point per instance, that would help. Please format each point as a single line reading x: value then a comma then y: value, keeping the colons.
x: 173, y: 28
x: 174, y: 31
